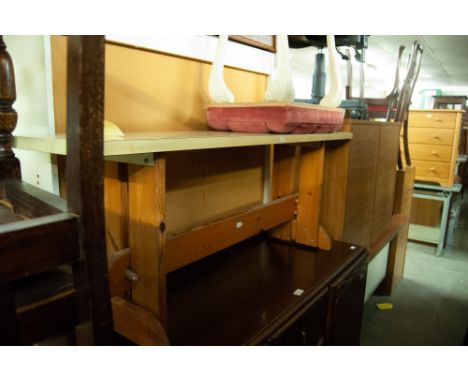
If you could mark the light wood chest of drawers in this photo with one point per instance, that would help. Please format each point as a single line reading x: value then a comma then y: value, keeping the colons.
x: 433, y: 137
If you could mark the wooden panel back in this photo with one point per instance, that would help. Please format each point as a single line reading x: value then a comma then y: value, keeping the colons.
x: 426, y: 212
x: 205, y: 185
x: 361, y: 184
x: 284, y: 181
x: 335, y: 186
x: 285, y: 171
x: 385, y: 180
x: 152, y: 91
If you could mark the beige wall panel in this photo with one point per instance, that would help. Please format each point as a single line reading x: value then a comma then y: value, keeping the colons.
x: 151, y: 91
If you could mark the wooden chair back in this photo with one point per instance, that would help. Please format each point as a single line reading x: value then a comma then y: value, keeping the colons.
x: 41, y: 234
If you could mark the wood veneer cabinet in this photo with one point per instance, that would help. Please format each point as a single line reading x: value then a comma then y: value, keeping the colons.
x: 434, y: 137
x: 371, y: 200
x: 366, y: 180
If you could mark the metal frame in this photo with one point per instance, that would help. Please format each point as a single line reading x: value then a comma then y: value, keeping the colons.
x: 443, y: 194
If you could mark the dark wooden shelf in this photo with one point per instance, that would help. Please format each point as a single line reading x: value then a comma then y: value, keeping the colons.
x: 7, y: 215
x: 243, y: 294
x: 42, y: 287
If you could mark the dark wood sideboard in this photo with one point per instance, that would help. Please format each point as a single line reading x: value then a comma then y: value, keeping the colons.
x: 268, y: 292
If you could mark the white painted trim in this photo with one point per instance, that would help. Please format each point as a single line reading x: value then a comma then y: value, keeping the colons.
x: 203, y: 48
x: 50, y: 108
x: 49, y: 84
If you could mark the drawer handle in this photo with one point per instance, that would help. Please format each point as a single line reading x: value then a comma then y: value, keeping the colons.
x: 434, y: 153
x: 436, y: 136
x: 432, y: 169
x: 438, y: 119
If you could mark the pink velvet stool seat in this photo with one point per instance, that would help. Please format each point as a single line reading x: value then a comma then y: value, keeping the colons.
x: 295, y: 118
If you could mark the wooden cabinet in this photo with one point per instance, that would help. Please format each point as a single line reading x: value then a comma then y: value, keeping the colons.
x: 375, y: 198
x: 268, y: 292
x: 345, y: 297
x: 455, y: 102
x: 308, y: 327
x: 366, y: 182
x: 434, y: 137
x: 433, y: 140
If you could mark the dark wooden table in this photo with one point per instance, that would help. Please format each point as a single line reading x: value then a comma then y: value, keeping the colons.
x: 246, y: 293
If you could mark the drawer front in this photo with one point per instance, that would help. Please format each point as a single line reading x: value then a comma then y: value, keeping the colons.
x: 431, y: 152
x: 435, y: 119
x: 429, y: 169
x: 430, y: 136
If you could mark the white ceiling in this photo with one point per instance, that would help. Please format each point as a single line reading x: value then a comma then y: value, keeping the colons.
x: 444, y: 64
x: 445, y: 58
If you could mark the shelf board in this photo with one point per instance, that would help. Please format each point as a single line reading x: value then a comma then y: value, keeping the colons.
x: 424, y: 233
x: 139, y: 143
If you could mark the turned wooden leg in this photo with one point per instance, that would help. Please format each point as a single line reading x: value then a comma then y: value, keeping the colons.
x: 9, y: 165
